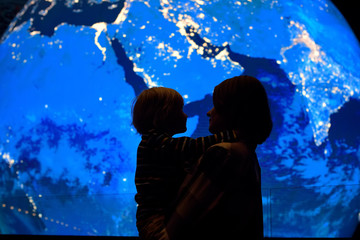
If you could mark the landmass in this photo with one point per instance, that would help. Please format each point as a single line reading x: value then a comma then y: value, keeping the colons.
x: 45, y: 15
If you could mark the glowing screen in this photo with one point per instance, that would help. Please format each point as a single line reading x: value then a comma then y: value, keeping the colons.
x: 69, y: 70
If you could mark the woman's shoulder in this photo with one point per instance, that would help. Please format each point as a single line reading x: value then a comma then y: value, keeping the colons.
x: 238, y: 149
x: 236, y: 156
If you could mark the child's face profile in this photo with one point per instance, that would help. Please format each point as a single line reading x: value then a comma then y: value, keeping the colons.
x: 177, y: 121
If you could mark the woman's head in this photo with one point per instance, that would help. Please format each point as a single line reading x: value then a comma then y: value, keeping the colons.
x: 159, y: 108
x: 241, y: 103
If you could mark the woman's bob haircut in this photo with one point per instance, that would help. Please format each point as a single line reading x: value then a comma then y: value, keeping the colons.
x: 243, y: 103
x: 153, y: 107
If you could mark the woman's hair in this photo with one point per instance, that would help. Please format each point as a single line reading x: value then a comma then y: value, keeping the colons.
x: 243, y: 102
x: 153, y: 107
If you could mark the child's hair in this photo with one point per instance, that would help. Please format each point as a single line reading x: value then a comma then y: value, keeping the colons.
x: 153, y: 107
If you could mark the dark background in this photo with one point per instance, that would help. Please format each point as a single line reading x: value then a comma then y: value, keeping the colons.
x: 350, y: 11
x: 9, y: 9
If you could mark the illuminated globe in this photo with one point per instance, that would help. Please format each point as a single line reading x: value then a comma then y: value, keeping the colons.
x: 69, y: 71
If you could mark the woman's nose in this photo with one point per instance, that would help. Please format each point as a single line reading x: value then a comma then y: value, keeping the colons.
x: 209, y: 112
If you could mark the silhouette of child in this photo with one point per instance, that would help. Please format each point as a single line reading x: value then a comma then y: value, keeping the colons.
x: 163, y: 161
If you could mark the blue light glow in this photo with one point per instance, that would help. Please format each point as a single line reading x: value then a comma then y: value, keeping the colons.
x: 70, y: 70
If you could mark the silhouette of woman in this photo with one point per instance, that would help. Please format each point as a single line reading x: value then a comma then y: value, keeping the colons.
x: 221, y: 197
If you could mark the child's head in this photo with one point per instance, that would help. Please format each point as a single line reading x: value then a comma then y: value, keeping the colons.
x: 159, y: 108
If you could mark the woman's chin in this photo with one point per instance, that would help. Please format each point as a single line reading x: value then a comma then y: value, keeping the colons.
x: 212, y: 131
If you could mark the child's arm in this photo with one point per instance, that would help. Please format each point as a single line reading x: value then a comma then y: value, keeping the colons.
x: 193, y: 148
